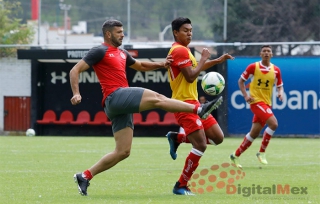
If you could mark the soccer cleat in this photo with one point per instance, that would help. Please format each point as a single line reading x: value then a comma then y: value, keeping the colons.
x: 82, y: 183
x: 172, y: 138
x: 234, y: 159
x: 208, y: 107
x: 262, y: 157
x: 181, y: 190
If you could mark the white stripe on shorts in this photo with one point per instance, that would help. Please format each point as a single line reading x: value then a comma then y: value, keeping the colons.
x: 261, y: 108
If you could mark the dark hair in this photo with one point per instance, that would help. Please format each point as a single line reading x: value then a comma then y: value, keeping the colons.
x: 178, y: 22
x: 109, y: 24
x: 269, y: 46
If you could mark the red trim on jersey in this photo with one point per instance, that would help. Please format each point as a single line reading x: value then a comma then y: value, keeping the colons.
x: 181, y: 59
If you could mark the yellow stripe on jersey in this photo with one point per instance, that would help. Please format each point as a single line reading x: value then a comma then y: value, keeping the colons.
x: 181, y: 89
x: 262, y: 85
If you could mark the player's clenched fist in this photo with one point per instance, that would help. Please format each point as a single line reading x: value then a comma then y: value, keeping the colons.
x: 205, y: 53
x: 76, y: 99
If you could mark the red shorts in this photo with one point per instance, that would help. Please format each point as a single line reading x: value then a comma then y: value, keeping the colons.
x: 262, y: 112
x: 192, y: 122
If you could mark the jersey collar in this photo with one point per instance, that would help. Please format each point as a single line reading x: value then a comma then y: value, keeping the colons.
x: 267, y: 68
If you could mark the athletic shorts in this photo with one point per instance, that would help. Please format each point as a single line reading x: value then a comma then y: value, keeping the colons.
x: 262, y: 112
x: 121, y: 104
x: 192, y: 122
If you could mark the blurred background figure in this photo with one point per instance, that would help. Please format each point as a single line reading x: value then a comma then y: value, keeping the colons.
x: 202, y: 99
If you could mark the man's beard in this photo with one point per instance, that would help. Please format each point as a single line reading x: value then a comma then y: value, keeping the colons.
x: 116, y: 42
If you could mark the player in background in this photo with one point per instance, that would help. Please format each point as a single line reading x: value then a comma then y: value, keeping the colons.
x: 263, y: 76
x: 119, y: 100
x: 183, y: 74
x: 202, y: 99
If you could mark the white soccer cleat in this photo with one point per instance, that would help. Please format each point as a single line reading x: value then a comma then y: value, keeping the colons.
x: 262, y: 158
x: 234, y: 159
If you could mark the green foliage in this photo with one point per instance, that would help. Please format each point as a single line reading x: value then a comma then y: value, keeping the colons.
x: 40, y: 170
x: 248, y: 20
x: 268, y: 21
x: 11, y: 29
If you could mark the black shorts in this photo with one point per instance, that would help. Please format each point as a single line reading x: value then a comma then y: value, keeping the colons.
x: 121, y: 104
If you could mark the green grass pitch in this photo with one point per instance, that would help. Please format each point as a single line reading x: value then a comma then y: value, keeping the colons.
x: 40, y: 170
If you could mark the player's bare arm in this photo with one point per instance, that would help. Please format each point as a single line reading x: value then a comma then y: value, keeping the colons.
x: 242, y: 88
x: 191, y: 74
x: 280, y: 92
x: 149, y: 66
x: 144, y: 66
x: 218, y: 60
x: 74, y: 80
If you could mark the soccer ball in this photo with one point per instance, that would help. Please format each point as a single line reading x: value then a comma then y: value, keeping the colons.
x: 213, y: 83
x: 30, y: 132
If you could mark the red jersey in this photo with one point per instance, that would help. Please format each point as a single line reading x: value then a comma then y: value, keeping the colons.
x: 110, y: 64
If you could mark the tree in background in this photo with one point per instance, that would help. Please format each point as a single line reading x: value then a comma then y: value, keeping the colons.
x: 248, y: 20
x: 148, y: 17
x: 268, y: 21
x: 11, y: 30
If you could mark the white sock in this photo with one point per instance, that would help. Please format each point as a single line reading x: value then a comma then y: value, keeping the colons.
x: 248, y: 136
x: 196, y: 152
x: 269, y: 131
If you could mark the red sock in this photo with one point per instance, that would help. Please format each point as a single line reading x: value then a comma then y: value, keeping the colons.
x: 87, y: 175
x: 247, y: 141
x: 191, y: 164
x: 195, y: 110
x: 182, y: 138
x: 266, y: 138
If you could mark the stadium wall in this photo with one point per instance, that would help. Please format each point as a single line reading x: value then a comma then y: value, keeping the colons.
x: 15, y: 81
x: 50, y: 89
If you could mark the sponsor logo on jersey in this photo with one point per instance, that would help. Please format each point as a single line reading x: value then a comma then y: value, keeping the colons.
x: 198, y: 121
x: 183, y: 62
x: 122, y: 55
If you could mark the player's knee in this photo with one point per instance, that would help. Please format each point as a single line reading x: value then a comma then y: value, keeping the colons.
x: 273, y: 126
x: 216, y: 140
x: 219, y: 140
x: 200, y: 146
x: 159, y: 99
x: 124, y: 154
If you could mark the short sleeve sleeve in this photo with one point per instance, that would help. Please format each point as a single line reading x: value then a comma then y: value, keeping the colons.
x: 95, y: 55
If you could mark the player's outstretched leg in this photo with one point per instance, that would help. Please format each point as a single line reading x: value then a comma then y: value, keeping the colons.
x: 82, y: 183
x: 172, y: 138
x: 208, y: 107
x: 234, y: 159
x: 262, y: 157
